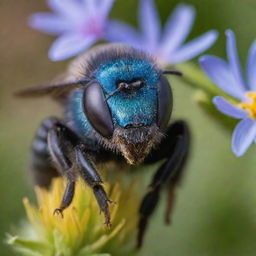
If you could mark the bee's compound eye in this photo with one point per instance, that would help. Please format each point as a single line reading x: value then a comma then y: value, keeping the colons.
x: 97, y: 110
x: 164, y: 102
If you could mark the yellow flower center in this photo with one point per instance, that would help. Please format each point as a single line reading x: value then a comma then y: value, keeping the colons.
x: 250, y: 106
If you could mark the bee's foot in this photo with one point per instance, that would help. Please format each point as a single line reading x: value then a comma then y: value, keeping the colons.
x: 111, y: 202
x: 107, y: 223
x: 58, y: 211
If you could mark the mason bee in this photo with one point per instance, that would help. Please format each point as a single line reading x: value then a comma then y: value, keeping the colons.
x: 117, y: 105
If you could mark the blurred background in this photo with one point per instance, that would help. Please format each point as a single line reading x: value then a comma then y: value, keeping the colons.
x: 216, y: 208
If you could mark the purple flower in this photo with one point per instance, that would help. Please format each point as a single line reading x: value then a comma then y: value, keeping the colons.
x: 78, y: 23
x: 168, y: 46
x: 229, y: 77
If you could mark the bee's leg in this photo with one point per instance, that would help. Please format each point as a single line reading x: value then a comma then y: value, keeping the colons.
x: 61, y: 142
x: 174, y: 147
x: 68, y: 194
x: 43, y: 170
x: 171, y: 187
x: 93, y: 179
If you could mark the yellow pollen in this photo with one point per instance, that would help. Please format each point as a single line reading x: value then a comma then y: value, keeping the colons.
x: 250, y: 106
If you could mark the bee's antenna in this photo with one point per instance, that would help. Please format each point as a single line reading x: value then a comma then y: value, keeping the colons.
x: 172, y: 72
x: 113, y: 93
x: 129, y: 86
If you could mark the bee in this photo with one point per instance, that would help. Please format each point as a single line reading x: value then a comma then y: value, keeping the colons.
x: 117, y: 104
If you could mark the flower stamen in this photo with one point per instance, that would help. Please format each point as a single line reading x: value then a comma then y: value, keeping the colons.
x: 250, y: 106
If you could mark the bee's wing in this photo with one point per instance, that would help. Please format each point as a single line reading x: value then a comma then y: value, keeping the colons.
x: 52, y: 89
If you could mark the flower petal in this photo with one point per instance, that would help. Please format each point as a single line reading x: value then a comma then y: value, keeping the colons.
x: 97, y: 12
x: 219, y: 72
x: 233, y: 58
x: 68, y: 8
x: 69, y: 45
x: 123, y: 33
x: 49, y: 23
x: 91, y: 6
x: 243, y: 136
x: 251, y: 67
x: 229, y: 109
x: 193, y: 48
x: 106, y: 6
x: 149, y: 22
x: 178, y: 27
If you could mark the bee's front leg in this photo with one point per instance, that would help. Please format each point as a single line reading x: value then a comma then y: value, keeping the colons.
x: 174, y: 148
x: 93, y: 179
x: 69, y: 154
x: 61, y: 141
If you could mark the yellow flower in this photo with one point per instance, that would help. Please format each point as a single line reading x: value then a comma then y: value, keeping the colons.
x: 81, y: 232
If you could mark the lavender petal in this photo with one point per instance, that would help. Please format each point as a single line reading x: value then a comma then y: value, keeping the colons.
x: 233, y: 58
x: 251, y: 67
x: 219, y: 72
x: 149, y: 23
x: 193, y: 48
x: 69, y: 45
x: 91, y: 6
x: 70, y: 9
x: 229, y: 109
x: 106, y: 6
x: 178, y: 27
x: 243, y: 136
x: 49, y: 23
x: 120, y: 32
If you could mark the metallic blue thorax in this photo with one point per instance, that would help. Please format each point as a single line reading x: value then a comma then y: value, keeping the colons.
x: 136, y: 107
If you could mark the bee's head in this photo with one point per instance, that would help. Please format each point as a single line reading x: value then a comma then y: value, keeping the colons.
x: 129, y: 103
x: 116, y: 96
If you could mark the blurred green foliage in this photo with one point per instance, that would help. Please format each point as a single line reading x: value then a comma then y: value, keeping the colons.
x: 215, y: 212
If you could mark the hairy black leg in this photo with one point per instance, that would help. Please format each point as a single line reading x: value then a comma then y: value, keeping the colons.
x: 43, y: 170
x: 174, y: 147
x: 69, y: 154
x: 171, y: 187
x: 61, y: 142
x: 179, y: 126
x: 93, y: 179
x: 67, y: 197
